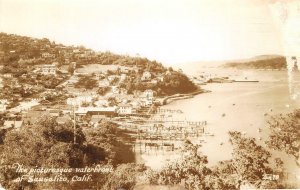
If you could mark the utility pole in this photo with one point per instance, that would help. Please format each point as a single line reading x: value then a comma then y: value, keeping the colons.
x: 74, y: 125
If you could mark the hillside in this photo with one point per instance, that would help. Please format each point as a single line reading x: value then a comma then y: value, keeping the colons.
x: 20, y: 56
x: 259, y: 62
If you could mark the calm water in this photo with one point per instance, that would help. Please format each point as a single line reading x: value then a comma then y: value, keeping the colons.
x: 241, y: 107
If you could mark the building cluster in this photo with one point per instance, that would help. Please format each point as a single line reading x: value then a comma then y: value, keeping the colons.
x: 40, y: 78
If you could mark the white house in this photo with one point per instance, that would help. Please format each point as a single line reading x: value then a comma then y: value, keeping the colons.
x: 48, y: 55
x: 103, y: 83
x: 115, y: 89
x: 146, y: 76
x: 145, y: 102
x: 7, y: 75
x: 148, y: 94
x: 124, y: 109
x: 101, y: 103
x: 3, y: 101
x: 3, y: 107
x: 154, y: 81
x: 79, y: 100
x: 48, y: 69
x: 123, y: 77
x: 12, y: 124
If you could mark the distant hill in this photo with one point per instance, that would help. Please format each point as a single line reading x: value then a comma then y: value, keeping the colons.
x: 259, y: 62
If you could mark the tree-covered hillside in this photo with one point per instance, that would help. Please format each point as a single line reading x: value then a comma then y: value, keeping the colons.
x: 277, y: 62
x: 21, y: 55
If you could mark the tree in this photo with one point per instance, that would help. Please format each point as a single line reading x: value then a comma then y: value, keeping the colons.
x: 191, y: 169
x: 124, y: 176
x: 285, y: 134
x: 86, y: 82
x: 177, y: 83
x: 44, y: 145
x: 71, y: 69
x: 103, y: 90
x: 250, y: 161
x: 109, y: 141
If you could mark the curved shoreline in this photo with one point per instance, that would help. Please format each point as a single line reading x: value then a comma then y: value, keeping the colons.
x: 175, y: 97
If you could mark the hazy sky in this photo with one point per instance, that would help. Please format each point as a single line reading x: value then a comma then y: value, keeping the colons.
x: 170, y: 31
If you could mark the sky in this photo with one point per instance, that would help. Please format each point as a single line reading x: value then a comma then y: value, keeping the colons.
x: 170, y: 31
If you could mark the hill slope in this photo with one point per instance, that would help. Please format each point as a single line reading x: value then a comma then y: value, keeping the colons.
x: 259, y: 62
x: 19, y: 55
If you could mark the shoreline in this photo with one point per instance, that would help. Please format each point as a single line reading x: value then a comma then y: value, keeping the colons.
x: 172, y: 98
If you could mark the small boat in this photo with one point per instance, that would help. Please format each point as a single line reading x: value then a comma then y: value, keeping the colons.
x: 223, y: 115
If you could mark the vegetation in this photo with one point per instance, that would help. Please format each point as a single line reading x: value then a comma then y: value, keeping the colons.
x: 50, y: 145
x: 86, y: 82
x: 23, y: 61
x: 124, y: 177
x: 108, y: 138
x: 285, y: 134
x: 268, y: 63
x: 250, y: 161
x: 191, y: 169
x: 175, y: 83
x: 45, y: 145
x: 249, y: 165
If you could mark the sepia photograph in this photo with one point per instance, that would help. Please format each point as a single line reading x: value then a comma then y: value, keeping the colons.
x: 149, y: 94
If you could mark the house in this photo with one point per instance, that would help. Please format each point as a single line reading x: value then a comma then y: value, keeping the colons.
x: 135, y: 104
x: 73, y: 79
x: 2, y: 108
x: 103, y: 83
x: 79, y: 100
x: 125, y: 70
x: 124, y: 109
x: 137, y: 93
x: 47, y: 69
x: 111, y: 77
x: 7, y: 75
x: 48, y: 55
x: 53, y: 112
x: 146, y: 76
x: 96, y: 119
x: 168, y: 72
x: 109, y: 111
x: 148, y: 94
x: 101, y: 103
x: 32, y: 116
x: 63, y: 119
x: 154, y: 81
x: 123, y: 77
x: 115, y: 90
x: 146, y: 102
x: 123, y: 91
x: 76, y: 51
x: 64, y: 109
x: 3, y: 101
x: 12, y: 124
